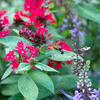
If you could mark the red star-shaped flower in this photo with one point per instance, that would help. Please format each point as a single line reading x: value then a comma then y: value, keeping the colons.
x: 15, y: 64
x: 37, y: 24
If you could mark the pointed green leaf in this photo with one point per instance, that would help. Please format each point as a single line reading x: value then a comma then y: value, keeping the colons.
x: 54, y: 32
x: 88, y: 11
x: 10, y: 80
x: 11, y: 41
x: 57, y: 54
x: 16, y: 31
x: 25, y: 19
x: 9, y: 89
x: 7, y: 72
x: 22, y: 67
x: 10, y: 14
x: 28, y: 88
x: 43, y: 92
x: 42, y: 79
x: 63, y: 57
x: 44, y: 67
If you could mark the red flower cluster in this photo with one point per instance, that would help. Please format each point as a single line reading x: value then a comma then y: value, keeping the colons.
x: 17, y: 17
x: 26, y: 53
x: 57, y: 64
x: 38, y: 13
x: 4, y: 22
x: 37, y: 38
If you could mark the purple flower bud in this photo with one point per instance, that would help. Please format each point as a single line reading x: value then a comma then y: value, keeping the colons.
x: 63, y: 26
x: 75, y: 18
x: 79, y: 23
x: 65, y: 20
x: 51, y: 55
x: 82, y: 34
x: 74, y: 33
x: 13, y: 72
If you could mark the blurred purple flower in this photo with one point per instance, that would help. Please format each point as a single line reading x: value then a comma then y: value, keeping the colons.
x: 65, y: 20
x: 74, y: 33
x: 82, y: 34
x: 96, y: 74
x: 68, y: 96
x: 63, y: 26
x: 80, y: 96
x: 75, y: 18
x: 94, y: 95
x: 79, y: 23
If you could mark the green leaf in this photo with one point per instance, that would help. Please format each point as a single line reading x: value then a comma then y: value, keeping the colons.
x: 43, y: 92
x: 51, y: 5
x: 65, y: 81
x: 56, y: 55
x: 10, y: 80
x: 28, y: 88
x: 25, y: 19
x: 54, y: 32
x: 10, y: 14
x: 63, y: 57
x: 16, y: 97
x: 7, y: 72
x: 56, y: 80
x: 22, y: 67
x: 16, y: 31
x: 42, y: 79
x: 95, y: 81
x: 44, y: 67
x: 9, y: 89
x: 88, y: 11
x: 11, y: 41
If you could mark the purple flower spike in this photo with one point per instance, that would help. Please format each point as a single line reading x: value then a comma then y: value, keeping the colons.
x: 75, y: 18
x: 65, y: 20
x: 79, y: 23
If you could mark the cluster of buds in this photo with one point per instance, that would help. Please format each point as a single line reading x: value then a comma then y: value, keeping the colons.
x: 26, y: 53
x: 78, y: 62
x: 37, y: 38
x: 84, y: 90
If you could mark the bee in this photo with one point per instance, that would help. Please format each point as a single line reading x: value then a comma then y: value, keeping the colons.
x: 56, y: 46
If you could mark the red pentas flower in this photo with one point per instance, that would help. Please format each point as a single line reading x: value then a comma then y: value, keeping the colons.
x: 17, y: 17
x: 37, y: 24
x: 4, y: 22
x: 38, y: 12
x: 15, y: 64
x: 58, y: 64
x: 10, y: 56
x: 2, y: 12
x: 26, y: 54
